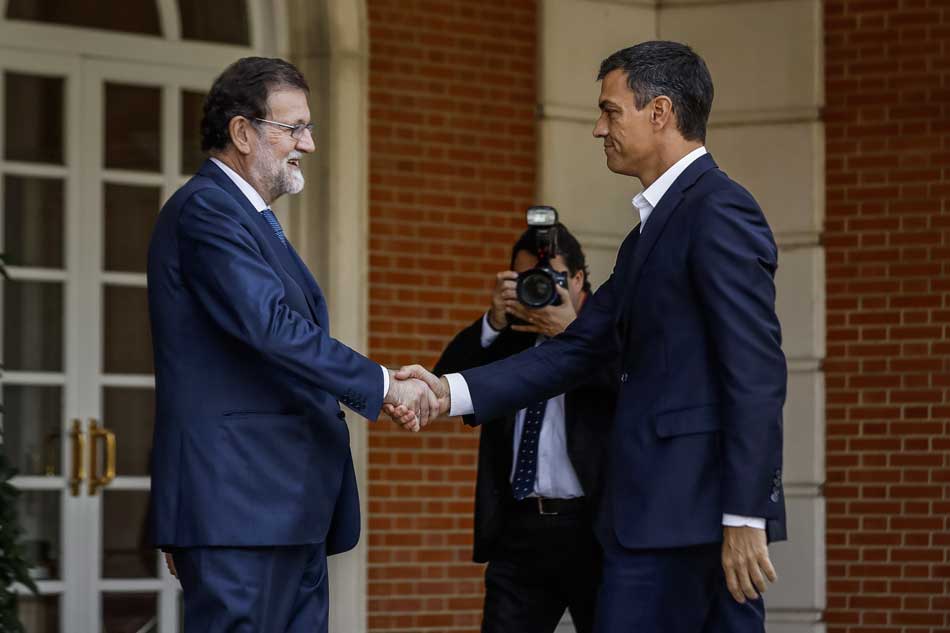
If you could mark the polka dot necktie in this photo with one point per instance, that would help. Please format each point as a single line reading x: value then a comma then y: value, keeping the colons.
x: 527, y: 469
x: 274, y: 224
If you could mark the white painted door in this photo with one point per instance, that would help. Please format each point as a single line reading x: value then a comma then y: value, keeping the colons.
x: 90, y: 150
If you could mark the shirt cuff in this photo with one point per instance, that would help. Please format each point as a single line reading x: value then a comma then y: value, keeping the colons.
x: 734, y: 520
x: 459, y: 393
x: 385, y: 381
x: 489, y: 334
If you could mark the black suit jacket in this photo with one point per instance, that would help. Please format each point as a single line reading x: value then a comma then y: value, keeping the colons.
x: 589, y: 410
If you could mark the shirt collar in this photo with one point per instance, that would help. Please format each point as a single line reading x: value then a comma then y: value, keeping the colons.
x: 249, y: 192
x: 646, y: 200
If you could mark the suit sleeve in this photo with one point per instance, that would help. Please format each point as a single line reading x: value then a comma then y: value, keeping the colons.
x: 549, y: 369
x: 733, y: 259
x: 465, y: 350
x: 223, y: 266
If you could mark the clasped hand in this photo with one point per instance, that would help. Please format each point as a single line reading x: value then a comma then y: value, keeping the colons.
x: 415, y: 397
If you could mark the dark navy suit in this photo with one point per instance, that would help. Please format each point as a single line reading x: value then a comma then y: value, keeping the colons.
x: 252, y: 477
x: 690, y: 310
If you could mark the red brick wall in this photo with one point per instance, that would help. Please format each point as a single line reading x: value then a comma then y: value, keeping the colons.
x: 887, y: 67
x: 452, y: 169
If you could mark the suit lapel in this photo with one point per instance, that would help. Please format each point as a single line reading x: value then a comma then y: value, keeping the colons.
x: 286, y: 258
x: 264, y: 234
x: 312, y: 290
x: 655, y: 224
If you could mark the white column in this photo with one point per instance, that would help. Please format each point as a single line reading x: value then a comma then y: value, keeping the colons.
x: 329, y: 223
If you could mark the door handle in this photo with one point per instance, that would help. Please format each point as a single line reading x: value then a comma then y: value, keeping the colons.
x: 97, y: 481
x: 79, y: 457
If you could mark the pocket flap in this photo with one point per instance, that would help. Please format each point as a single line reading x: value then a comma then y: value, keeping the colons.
x: 703, y: 419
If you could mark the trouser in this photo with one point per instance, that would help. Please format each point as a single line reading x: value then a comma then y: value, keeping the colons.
x: 254, y: 589
x: 543, y: 565
x: 679, y: 590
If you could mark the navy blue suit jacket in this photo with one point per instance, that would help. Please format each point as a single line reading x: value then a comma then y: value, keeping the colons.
x: 250, y: 445
x: 690, y: 310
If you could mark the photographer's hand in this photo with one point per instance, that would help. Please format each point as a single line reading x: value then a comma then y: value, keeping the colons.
x: 505, y: 283
x: 549, y: 320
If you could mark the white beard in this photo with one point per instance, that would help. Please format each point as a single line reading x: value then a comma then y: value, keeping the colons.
x: 277, y: 176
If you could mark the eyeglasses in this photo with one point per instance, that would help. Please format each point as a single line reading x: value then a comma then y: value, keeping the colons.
x: 296, y: 131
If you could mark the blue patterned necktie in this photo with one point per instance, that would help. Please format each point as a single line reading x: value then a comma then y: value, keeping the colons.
x: 527, y: 469
x: 274, y: 224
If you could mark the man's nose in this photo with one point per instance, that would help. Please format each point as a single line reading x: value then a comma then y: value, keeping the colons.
x: 306, y: 143
x: 600, y: 129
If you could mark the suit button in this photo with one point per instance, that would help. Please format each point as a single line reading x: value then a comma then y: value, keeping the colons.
x: 774, y: 496
x: 624, y: 377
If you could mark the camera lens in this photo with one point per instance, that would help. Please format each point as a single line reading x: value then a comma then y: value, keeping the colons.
x: 536, y: 288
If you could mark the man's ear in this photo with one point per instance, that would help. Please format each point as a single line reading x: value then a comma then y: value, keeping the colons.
x: 576, y: 281
x: 239, y: 128
x: 661, y: 113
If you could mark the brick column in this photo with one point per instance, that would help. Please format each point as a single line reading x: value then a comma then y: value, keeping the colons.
x: 888, y: 369
x: 452, y: 169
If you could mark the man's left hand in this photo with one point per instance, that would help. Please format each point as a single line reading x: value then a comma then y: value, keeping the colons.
x: 745, y: 560
x: 549, y: 320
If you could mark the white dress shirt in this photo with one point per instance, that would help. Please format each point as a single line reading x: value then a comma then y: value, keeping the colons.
x: 258, y: 203
x: 555, y: 477
x: 249, y: 192
x: 644, y: 202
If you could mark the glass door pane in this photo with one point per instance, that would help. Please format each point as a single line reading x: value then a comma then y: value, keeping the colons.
x: 130, y: 613
x: 33, y: 325
x: 130, y: 213
x: 33, y: 221
x: 133, y: 138
x: 192, y: 109
x: 40, y: 517
x: 34, y: 116
x: 126, y: 552
x: 39, y: 614
x: 132, y: 16
x: 32, y: 425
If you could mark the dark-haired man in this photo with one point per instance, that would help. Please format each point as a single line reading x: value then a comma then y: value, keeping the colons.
x: 540, y: 470
x: 694, y: 485
x: 252, y: 478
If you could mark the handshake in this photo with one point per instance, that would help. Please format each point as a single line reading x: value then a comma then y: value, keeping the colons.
x: 415, y: 397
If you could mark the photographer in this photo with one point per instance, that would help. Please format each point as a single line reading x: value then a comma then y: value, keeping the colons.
x: 539, y: 471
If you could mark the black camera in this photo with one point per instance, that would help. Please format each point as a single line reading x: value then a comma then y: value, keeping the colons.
x: 538, y: 287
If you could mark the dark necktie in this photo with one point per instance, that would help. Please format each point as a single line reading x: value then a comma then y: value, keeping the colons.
x: 527, y: 469
x: 275, y: 225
